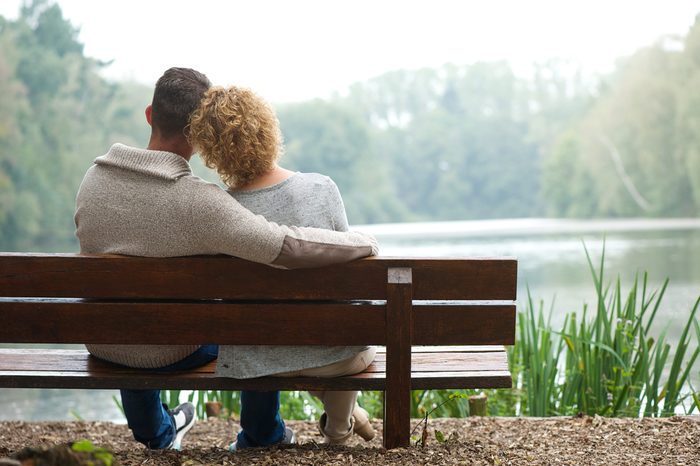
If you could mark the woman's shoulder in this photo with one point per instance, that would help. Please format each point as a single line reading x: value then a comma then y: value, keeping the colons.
x: 322, y: 187
x: 316, y: 181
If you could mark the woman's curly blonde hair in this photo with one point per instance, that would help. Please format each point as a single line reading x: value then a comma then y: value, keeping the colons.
x: 236, y: 133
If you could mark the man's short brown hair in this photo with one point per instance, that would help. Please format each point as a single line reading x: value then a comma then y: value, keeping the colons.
x: 177, y: 94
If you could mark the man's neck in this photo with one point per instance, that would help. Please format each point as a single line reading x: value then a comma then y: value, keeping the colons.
x: 178, y: 146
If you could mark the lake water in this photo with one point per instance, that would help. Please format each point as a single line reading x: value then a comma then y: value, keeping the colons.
x: 552, y: 259
x: 551, y: 262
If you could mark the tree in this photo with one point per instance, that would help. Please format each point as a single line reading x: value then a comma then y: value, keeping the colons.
x: 56, y: 115
x: 635, y: 144
x: 330, y: 139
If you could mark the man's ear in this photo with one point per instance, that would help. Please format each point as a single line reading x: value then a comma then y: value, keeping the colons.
x: 149, y: 115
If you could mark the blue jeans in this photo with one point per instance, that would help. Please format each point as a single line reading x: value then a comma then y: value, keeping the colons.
x: 152, y: 425
x: 149, y: 419
x: 261, y: 423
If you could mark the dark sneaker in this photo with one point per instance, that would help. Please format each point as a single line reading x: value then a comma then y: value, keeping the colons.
x: 184, y: 419
x: 289, y: 439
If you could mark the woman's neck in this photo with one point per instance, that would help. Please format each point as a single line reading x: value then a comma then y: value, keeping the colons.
x: 270, y: 178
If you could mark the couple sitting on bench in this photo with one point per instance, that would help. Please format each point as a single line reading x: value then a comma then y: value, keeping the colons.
x: 147, y: 202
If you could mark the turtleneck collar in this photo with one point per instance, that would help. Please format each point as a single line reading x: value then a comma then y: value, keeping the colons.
x: 160, y: 164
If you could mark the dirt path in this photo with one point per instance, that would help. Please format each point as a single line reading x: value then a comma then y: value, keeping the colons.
x: 488, y: 441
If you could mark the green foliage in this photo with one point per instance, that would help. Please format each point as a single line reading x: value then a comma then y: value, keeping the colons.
x: 538, y: 351
x: 634, y: 152
x: 56, y: 115
x: 294, y: 405
x: 606, y: 363
x: 331, y: 139
x: 454, y: 140
x: 102, y: 455
x: 439, y: 436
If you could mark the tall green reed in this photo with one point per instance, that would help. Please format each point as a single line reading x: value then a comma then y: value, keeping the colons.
x: 536, y: 355
x: 605, y: 362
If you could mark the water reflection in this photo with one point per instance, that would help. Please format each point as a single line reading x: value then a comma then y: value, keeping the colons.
x: 37, y: 405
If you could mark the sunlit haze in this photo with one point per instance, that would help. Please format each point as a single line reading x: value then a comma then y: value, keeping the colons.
x: 291, y: 51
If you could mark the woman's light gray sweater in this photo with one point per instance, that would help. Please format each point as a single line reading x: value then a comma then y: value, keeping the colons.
x: 148, y: 203
x: 305, y: 200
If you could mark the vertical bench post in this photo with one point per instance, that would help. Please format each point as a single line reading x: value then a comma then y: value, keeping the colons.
x: 399, y: 329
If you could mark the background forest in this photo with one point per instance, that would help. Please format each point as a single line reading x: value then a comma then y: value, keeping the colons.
x: 451, y: 143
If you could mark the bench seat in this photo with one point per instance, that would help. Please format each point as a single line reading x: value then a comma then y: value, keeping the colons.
x: 432, y: 367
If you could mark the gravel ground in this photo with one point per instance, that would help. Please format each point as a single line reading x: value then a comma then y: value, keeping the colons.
x: 487, y: 441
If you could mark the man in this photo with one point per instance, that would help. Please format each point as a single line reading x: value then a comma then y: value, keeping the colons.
x: 147, y: 202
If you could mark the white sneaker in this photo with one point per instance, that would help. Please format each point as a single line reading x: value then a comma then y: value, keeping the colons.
x: 184, y: 420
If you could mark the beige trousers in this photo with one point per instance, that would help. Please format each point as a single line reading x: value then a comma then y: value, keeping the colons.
x: 338, y: 405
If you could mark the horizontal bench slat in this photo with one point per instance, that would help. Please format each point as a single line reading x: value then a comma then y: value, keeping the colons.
x: 42, y: 368
x: 453, y: 349
x: 191, y: 323
x: 428, y: 381
x: 102, y: 276
x: 473, y: 324
x: 362, y: 323
x: 80, y: 360
x: 438, y: 362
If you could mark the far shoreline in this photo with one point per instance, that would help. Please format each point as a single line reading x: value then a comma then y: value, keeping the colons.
x: 523, y: 227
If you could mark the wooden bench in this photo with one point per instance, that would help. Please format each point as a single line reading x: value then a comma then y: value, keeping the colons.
x: 433, y: 304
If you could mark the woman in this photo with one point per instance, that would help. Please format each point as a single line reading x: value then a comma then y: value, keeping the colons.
x: 237, y: 133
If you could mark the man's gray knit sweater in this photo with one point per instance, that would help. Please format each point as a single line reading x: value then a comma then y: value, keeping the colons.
x: 148, y: 203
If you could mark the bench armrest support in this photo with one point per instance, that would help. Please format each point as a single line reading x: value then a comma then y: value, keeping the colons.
x: 399, y: 330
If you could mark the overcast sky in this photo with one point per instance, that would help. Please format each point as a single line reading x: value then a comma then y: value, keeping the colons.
x: 300, y: 49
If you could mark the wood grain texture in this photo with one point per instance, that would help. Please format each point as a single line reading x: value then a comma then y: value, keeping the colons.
x: 50, y: 368
x: 463, y: 358
x: 452, y: 349
x: 460, y: 324
x: 213, y: 277
x: 399, y: 328
x: 314, y: 323
x: 193, y: 323
x: 438, y: 362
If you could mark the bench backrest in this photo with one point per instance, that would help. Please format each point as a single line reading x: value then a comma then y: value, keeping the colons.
x: 71, y: 298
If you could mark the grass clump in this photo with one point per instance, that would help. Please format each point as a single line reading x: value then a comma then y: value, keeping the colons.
x: 605, y: 362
